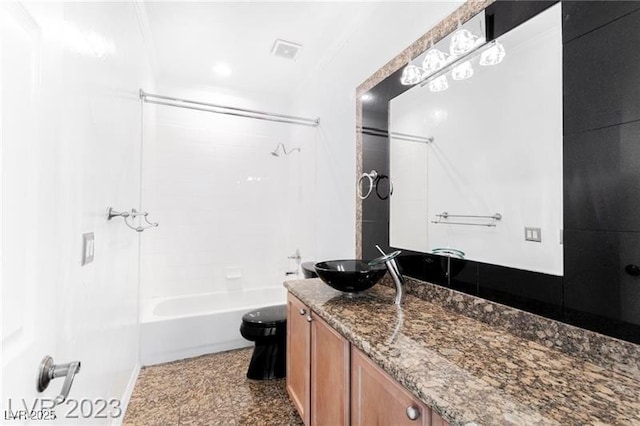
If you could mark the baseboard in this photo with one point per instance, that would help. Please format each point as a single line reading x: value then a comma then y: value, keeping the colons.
x: 126, y: 397
x: 162, y: 357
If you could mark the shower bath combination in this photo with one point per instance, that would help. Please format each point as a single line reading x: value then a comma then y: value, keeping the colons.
x: 276, y: 152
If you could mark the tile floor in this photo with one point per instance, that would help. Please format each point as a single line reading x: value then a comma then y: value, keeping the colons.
x: 208, y: 390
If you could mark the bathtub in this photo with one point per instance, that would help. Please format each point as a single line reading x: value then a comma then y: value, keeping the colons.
x: 187, y: 326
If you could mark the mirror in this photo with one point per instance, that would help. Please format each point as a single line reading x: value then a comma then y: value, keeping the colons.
x: 489, y: 183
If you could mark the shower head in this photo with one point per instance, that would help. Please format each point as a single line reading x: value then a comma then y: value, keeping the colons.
x: 275, y: 152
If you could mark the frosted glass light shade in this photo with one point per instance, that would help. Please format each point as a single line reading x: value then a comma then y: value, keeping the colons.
x: 439, y: 84
x: 434, y: 59
x: 412, y: 75
x: 462, y: 71
x: 463, y: 41
x: 493, y: 55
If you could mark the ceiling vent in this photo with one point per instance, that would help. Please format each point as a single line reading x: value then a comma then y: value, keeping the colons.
x: 286, y: 49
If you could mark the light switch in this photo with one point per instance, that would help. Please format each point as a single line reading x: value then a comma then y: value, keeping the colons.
x: 87, y: 248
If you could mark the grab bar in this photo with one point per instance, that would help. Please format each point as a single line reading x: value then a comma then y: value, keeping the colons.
x: 444, y: 216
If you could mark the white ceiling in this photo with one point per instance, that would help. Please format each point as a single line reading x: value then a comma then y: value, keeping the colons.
x: 190, y: 38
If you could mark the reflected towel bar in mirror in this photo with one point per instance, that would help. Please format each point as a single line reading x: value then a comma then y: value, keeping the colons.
x: 444, y: 216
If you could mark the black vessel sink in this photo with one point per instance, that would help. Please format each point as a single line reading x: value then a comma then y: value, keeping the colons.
x: 350, y: 275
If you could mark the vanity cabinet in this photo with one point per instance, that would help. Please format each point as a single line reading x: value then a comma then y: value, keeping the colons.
x: 299, y: 356
x: 332, y: 383
x: 317, y: 367
x: 377, y: 399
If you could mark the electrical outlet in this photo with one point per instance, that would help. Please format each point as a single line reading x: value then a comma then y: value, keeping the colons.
x: 533, y: 234
x: 87, y: 248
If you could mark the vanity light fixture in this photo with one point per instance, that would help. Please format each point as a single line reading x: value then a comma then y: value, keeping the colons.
x: 463, y: 41
x: 439, y: 84
x: 434, y: 59
x: 462, y: 71
x: 493, y: 56
x: 453, y: 52
x: 412, y: 75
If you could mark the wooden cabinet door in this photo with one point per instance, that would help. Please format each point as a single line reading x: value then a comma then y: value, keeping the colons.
x: 329, y: 375
x: 299, y: 356
x: 377, y: 399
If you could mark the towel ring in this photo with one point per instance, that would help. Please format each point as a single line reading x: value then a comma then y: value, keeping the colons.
x: 372, y: 176
x: 377, y: 184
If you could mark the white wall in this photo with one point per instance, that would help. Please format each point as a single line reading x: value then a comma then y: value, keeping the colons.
x: 230, y: 213
x: 85, y: 157
x: 329, y: 92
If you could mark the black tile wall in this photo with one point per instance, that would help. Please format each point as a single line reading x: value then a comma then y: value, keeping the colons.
x: 464, y: 276
x: 375, y: 116
x: 504, y: 15
x: 435, y: 270
x: 412, y: 263
x: 375, y: 156
x: 579, y: 19
x: 609, y: 326
x: 602, y: 179
x: 601, y: 76
x: 531, y: 291
x: 601, y: 154
x: 596, y: 281
x: 374, y: 232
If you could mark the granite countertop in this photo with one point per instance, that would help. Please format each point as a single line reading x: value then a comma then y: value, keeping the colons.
x: 468, y: 371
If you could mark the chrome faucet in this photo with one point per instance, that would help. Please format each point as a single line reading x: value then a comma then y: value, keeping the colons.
x: 390, y: 262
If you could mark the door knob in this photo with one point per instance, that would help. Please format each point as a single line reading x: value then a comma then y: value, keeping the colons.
x: 49, y: 371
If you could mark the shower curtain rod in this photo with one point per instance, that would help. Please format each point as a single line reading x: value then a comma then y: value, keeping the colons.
x: 227, y: 110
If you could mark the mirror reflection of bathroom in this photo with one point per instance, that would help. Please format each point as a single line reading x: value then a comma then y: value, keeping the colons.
x: 477, y: 187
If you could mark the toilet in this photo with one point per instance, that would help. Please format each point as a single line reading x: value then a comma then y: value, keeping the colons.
x: 267, y: 327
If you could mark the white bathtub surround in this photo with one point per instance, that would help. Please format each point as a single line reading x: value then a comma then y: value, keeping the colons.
x: 229, y: 208
x: 180, y: 327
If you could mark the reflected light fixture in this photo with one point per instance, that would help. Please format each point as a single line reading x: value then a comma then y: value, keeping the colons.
x: 434, y: 59
x: 492, y: 56
x: 463, y: 41
x: 439, y: 84
x: 462, y: 71
x: 366, y: 97
x: 412, y: 75
x: 453, y: 54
